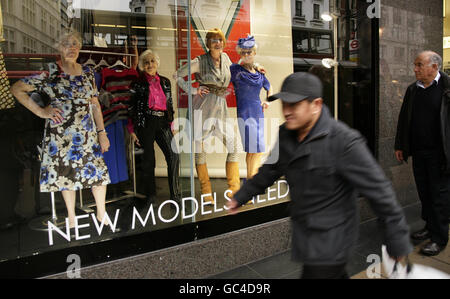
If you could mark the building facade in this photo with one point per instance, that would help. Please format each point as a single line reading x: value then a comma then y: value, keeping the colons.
x: 192, y: 238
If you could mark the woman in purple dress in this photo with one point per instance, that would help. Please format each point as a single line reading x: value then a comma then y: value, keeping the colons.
x: 247, y: 82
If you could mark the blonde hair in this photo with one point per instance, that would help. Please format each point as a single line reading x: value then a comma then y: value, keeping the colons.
x: 144, y: 56
x: 213, y: 32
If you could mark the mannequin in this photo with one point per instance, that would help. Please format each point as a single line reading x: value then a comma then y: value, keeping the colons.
x: 247, y: 82
x: 212, y: 71
x: 75, y: 137
x: 152, y: 114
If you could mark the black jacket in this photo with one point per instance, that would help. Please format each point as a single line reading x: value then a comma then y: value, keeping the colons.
x: 402, y: 138
x: 324, y: 174
x: 139, y: 100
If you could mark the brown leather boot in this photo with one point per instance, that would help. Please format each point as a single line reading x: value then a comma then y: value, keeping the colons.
x: 253, y: 163
x: 233, y: 178
x: 205, y: 184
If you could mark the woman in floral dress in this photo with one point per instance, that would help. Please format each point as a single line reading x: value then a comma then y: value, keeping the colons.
x: 74, y: 137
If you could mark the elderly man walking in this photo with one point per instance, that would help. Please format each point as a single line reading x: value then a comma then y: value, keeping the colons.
x: 423, y: 132
x: 326, y: 164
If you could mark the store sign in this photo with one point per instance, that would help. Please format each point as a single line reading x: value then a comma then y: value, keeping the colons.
x: 353, y: 47
x: 190, y: 207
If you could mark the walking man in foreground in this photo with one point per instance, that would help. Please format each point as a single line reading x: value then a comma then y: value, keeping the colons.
x: 423, y: 132
x: 326, y: 164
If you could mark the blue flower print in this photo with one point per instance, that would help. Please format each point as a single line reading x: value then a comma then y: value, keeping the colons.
x: 78, y: 139
x: 67, y: 93
x: 75, y: 153
x: 96, y: 148
x: 89, y: 171
x: 48, y: 176
x: 67, y: 108
x: 87, y: 122
x: 52, y: 149
x: 44, y: 175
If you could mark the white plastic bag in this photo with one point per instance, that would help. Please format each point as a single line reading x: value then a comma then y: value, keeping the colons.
x: 396, y: 270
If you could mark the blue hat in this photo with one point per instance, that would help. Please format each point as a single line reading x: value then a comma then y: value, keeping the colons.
x: 246, y: 43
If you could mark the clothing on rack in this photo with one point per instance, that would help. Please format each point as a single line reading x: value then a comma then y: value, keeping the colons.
x: 115, y: 100
x: 115, y: 157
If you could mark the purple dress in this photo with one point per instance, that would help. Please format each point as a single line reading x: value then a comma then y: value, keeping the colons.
x: 250, y: 114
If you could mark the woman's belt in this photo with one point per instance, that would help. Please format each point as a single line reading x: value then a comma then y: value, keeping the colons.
x: 218, y: 91
x: 155, y: 113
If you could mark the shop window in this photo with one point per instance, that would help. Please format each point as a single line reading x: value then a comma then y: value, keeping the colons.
x: 178, y: 175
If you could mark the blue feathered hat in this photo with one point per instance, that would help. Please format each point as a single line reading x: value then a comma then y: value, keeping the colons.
x: 247, y: 42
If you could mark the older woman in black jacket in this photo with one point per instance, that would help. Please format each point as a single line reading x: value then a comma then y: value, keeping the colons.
x: 152, y: 113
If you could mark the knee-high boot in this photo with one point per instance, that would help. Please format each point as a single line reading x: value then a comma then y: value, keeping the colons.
x: 205, y: 184
x: 253, y: 163
x: 233, y: 178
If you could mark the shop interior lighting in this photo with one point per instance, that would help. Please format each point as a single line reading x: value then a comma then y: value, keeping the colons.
x: 329, y: 63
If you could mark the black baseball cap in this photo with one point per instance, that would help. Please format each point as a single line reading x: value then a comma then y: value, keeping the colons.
x: 298, y: 87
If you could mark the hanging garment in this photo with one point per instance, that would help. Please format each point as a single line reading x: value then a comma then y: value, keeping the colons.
x: 115, y: 157
x: 115, y: 100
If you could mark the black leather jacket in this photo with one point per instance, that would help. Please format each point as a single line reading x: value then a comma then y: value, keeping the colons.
x: 139, y: 100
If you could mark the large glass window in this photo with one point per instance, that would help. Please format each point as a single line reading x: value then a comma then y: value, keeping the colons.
x: 135, y: 72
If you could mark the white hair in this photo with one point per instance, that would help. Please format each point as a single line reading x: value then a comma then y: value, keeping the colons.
x: 434, y: 58
x: 144, y: 55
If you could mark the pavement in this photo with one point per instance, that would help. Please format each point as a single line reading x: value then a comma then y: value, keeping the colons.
x: 280, y: 265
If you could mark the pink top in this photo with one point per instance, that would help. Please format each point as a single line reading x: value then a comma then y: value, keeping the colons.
x: 157, y: 98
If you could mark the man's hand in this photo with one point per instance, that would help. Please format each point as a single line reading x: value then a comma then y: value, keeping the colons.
x: 399, y: 156
x: 233, y: 206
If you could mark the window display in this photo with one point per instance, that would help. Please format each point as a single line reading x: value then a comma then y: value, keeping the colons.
x: 111, y: 148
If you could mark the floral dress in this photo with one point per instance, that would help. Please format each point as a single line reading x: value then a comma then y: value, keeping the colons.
x: 71, y: 154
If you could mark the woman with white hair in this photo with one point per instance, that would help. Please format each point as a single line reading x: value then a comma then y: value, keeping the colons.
x: 152, y: 113
x: 75, y: 137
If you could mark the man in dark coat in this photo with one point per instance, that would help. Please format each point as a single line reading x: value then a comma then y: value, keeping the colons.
x: 325, y: 163
x: 423, y: 132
